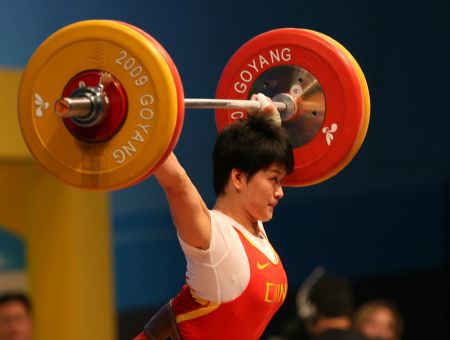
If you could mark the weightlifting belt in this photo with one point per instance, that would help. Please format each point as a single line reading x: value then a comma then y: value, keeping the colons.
x: 162, y: 325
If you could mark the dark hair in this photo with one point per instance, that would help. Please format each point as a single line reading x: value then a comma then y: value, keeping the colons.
x: 333, y: 296
x: 250, y: 145
x: 16, y: 297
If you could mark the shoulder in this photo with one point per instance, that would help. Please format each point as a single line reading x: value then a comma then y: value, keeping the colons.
x: 223, y: 221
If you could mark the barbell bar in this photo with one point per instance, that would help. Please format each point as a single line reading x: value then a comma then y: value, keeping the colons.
x: 83, y: 106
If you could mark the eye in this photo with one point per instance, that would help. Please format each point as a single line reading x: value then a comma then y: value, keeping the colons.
x: 275, y: 179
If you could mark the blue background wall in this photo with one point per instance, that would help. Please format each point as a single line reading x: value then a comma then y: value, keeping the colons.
x: 12, y: 252
x: 385, y: 214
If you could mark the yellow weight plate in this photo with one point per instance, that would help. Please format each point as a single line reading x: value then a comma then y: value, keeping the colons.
x: 366, y: 96
x: 143, y: 139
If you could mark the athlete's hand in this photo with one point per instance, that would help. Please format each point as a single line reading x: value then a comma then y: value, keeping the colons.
x: 267, y: 108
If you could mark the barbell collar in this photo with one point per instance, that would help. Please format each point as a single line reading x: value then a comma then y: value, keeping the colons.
x: 73, y: 107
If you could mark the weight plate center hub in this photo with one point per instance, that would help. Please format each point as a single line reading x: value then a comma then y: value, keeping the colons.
x: 107, y: 106
x: 303, y: 96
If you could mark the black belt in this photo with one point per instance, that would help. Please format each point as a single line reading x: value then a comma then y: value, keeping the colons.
x: 162, y: 326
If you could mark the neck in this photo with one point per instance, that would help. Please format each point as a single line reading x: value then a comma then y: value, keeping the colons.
x: 227, y: 207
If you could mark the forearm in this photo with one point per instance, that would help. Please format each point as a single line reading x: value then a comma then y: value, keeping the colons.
x: 189, y: 212
x: 170, y: 174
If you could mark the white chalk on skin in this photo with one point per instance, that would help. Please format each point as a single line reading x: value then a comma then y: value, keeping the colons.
x: 265, y: 103
x: 263, y: 100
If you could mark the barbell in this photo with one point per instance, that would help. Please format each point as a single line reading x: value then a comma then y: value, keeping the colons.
x: 101, y: 103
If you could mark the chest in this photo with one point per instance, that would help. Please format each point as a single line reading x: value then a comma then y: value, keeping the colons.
x: 268, y: 281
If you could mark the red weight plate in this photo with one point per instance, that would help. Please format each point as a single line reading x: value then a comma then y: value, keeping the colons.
x: 332, y: 145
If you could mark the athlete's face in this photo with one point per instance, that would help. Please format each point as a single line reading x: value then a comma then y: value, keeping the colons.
x: 262, y: 192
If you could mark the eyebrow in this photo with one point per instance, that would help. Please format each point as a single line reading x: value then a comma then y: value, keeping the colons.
x: 276, y: 170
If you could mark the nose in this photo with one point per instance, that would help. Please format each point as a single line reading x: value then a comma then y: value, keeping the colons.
x: 279, y: 192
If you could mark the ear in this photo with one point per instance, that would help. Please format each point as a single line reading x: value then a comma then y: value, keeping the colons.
x: 237, y: 178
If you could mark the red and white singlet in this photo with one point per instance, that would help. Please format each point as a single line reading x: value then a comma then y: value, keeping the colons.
x: 246, y: 315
